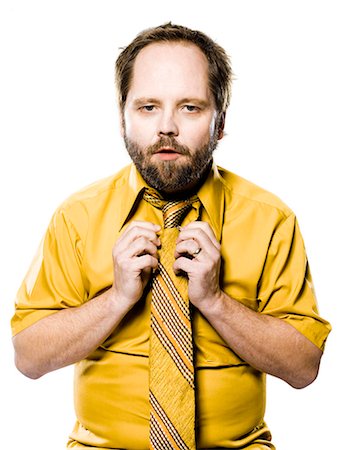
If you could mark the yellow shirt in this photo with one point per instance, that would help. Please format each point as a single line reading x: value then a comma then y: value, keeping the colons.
x: 264, y: 267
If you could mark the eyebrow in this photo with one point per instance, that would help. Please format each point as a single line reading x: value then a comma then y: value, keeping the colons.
x: 144, y: 100
x: 197, y: 101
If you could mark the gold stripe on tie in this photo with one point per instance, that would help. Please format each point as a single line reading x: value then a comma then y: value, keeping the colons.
x: 172, y: 390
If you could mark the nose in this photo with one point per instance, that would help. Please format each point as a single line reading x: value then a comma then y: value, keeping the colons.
x: 167, y: 125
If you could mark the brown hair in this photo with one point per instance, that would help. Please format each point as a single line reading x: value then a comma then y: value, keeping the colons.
x: 220, y: 72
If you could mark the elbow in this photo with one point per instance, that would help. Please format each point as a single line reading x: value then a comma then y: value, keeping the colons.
x: 25, y: 360
x: 305, y: 367
x: 301, y: 382
x: 304, y: 377
x: 26, y: 368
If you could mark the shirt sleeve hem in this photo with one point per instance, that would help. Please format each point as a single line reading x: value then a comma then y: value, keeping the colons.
x: 19, y: 324
x: 317, y: 332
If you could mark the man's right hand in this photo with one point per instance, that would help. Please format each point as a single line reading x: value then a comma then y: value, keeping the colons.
x: 134, y: 257
x: 73, y: 333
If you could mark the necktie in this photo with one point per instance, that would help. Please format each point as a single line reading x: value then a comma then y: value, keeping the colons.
x: 172, y: 391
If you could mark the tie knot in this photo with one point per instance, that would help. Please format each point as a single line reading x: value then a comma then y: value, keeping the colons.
x: 174, y: 211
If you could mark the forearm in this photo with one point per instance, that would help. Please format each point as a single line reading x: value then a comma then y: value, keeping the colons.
x: 68, y: 335
x: 72, y: 334
x: 267, y: 343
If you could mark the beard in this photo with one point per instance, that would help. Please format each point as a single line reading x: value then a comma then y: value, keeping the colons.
x: 173, y: 176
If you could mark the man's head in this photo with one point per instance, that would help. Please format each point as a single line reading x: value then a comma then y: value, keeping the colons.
x: 174, y: 87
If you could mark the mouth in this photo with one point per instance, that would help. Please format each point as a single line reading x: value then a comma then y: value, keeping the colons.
x: 167, y: 154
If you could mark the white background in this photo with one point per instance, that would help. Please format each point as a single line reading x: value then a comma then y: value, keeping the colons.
x: 59, y: 132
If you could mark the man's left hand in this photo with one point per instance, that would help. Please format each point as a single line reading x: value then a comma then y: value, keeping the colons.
x: 197, y: 254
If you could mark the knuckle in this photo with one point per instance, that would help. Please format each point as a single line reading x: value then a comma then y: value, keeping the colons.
x: 129, y: 229
x: 199, y: 232
x: 149, y: 260
x: 203, y: 224
x: 142, y: 241
x: 136, y: 229
x: 146, y: 258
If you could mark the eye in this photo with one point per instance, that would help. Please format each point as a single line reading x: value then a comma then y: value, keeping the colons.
x: 147, y: 108
x: 191, y: 108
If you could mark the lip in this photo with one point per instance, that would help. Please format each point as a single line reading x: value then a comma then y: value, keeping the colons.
x: 167, y: 154
x: 167, y: 150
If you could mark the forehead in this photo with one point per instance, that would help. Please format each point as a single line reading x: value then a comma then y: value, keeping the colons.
x: 173, y: 66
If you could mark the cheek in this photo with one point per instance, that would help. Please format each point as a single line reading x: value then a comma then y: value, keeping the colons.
x: 138, y: 131
x: 196, y: 136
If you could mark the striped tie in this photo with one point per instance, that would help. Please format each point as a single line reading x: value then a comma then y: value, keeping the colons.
x: 172, y: 396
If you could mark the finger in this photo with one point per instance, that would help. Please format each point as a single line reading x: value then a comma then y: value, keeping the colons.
x: 144, y: 262
x: 183, y: 264
x: 141, y: 246
x: 136, y: 230
x: 206, y: 228
x: 190, y: 246
x: 143, y: 224
x: 200, y: 237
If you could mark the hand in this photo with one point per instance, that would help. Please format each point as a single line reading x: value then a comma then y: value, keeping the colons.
x: 202, y: 267
x: 134, y: 258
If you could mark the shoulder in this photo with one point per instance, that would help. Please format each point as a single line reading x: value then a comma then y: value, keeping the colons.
x: 241, y: 193
x: 93, y: 200
x: 99, y: 190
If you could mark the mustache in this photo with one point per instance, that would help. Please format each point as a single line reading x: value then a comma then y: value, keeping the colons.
x: 171, y: 143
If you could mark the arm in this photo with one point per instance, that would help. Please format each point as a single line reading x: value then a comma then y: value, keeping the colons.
x: 265, y: 342
x: 72, y: 334
x: 67, y: 336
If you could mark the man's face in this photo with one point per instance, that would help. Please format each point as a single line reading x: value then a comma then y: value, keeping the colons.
x: 170, y: 124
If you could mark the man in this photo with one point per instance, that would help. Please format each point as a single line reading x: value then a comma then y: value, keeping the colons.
x: 251, y: 307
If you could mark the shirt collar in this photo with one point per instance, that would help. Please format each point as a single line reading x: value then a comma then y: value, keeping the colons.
x: 135, y: 185
x: 211, y: 195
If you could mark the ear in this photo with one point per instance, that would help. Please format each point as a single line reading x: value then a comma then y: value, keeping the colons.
x: 221, y: 131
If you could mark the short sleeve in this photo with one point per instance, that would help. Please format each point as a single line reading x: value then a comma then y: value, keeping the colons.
x: 286, y: 290
x: 55, y: 279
